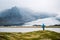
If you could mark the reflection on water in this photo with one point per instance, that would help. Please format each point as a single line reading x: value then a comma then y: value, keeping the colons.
x: 27, y: 29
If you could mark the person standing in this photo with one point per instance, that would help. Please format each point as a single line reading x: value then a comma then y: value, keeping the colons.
x: 43, y: 26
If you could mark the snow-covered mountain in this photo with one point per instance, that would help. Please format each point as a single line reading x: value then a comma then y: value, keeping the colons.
x: 46, y: 21
x: 58, y: 17
x: 20, y: 16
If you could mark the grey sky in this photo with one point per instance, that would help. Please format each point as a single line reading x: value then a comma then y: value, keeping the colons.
x: 36, y: 5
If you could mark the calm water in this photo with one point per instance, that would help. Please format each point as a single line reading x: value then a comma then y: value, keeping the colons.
x: 27, y: 29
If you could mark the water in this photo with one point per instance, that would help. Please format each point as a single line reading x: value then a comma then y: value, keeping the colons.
x: 27, y: 29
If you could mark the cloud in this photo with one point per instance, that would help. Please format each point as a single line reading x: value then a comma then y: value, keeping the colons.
x: 36, y: 5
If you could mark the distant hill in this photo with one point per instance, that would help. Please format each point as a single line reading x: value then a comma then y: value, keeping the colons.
x: 57, y: 25
x: 35, y: 35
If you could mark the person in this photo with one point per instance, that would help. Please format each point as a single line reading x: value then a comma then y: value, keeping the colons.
x: 43, y: 26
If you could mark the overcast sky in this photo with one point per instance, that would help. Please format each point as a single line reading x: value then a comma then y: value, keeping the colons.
x: 36, y: 5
